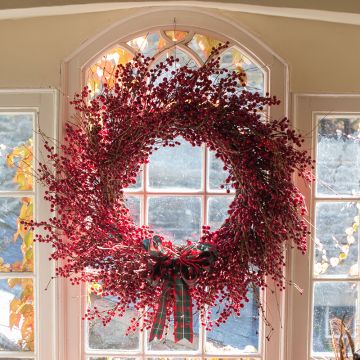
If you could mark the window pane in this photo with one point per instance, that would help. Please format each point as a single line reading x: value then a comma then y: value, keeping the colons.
x: 203, y: 45
x: 16, y: 315
x: 178, y: 218
x: 148, y: 44
x: 111, y: 336
x: 216, y: 174
x: 338, y: 155
x: 176, y: 35
x: 138, y: 185
x: 167, y: 342
x: 103, y: 70
x: 16, y: 243
x: 133, y: 204
x: 16, y: 131
x: 336, y: 241
x: 218, y: 207
x: 176, y: 168
x: 238, y: 334
x: 233, y: 59
x: 184, y: 59
x: 332, y: 300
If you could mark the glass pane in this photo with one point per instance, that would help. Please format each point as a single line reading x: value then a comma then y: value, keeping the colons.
x: 16, y: 315
x: 111, y: 336
x: 176, y: 168
x: 233, y: 59
x: 238, y: 334
x: 148, y: 44
x: 103, y: 70
x: 138, y: 185
x: 16, y: 131
x: 167, y: 342
x: 338, y: 155
x: 336, y: 241
x: 178, y: 218
x: 216, y: 174
x: 203, y: 45
x: 133, y: 204
x: 16, y: 243
x: 176, y: 35
x: 333, y: 301
x: 184, y: 60
x: 218, y: 207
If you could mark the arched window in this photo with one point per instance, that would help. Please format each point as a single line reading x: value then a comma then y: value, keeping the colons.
x: 180, y: 189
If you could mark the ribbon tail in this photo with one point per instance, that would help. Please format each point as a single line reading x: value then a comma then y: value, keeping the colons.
x: 183, y: 318
x: 158, y: 325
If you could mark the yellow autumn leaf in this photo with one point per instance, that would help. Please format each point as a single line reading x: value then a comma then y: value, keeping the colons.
x: 27, y: 294
x: 14, y: 305
x: 28, y: 238
x: 23, y: 176
x: 29, y: 254
x: 25, y: 309
x: 26, y: 282
x: 176, y: 35
x: 16, y: 266
x: 240, y: 70
x: 342, y: 256
x: 27, y: 329
x: 14, y: 320
x: 13, y: 282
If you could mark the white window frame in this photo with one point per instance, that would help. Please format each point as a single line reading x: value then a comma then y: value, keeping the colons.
x: 43, y: 104
x: 300, y: 307
x: 72, y: 334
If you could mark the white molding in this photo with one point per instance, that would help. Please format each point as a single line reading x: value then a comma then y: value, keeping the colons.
x: 29, y: 91
x: 297, y: 13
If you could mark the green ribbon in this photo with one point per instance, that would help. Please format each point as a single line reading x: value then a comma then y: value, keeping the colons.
x: 180, y: 273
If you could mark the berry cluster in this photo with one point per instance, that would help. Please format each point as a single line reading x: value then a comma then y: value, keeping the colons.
x: 92, y: 232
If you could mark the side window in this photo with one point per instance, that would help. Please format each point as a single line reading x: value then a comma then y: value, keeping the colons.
x: 178, y: 192
x: 336, y: 250
x: 17, y: 271
x: 27, y: 295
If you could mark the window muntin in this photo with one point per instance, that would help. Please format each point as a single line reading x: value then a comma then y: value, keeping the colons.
x: 177, y: 200
x: 336, y: 243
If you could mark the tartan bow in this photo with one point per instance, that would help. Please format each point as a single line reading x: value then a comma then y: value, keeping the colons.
x: 180, y: 272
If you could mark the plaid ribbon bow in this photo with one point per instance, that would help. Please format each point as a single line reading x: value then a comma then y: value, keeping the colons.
x: 180, y: 271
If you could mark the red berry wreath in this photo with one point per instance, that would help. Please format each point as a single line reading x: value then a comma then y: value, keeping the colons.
x: 93, y: 234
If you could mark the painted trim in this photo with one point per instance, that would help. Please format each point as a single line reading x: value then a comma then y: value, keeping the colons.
x: 296, y: 13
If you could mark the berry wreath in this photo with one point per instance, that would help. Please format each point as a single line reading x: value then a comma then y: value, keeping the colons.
x: 114, y: 134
